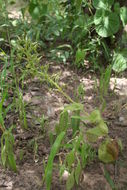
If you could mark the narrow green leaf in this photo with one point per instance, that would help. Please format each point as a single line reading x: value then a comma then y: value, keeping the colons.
x: 70, y: 158
x: 3, y: 156
x: 77, y: 172
x: 75, y: 123
x: 109, y: 180
x: 83, y: 155
x: 12, y: 162
x: 49, y: 167
x: 70, y: 181
x: 78, y: 142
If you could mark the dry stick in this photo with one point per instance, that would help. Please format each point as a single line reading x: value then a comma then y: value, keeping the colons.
x: 2, y: 129
x: 47, y: 77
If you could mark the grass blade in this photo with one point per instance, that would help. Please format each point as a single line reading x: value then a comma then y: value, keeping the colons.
x: 109, y: 180
x: 49, y: 167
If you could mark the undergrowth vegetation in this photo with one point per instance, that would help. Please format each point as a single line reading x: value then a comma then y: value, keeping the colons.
x: 84, y: 34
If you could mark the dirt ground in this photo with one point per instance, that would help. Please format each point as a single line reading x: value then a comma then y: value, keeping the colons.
x: 41, y: 100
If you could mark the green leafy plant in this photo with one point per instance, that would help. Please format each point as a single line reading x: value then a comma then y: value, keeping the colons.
x: 80, y: 56
x: 7, y: 139
x: 42, y: 122
x: 79, y: 151
x: 7, y: 155
x: 81, y: 32
x: 76, y: 160
x: 4, y: 90
x: 80, y: 92
x: 106, y: 21
x: 27, y: 56
x: 68, y: 28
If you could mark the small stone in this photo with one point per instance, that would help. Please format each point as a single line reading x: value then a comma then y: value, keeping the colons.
x: 121, y: 119
x: 65, y: 175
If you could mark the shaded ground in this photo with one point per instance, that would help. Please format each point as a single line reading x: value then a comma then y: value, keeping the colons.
x: 43, y: 100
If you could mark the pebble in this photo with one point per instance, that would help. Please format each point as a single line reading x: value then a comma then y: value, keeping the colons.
x: 65, y: 175
x: 121, y: 119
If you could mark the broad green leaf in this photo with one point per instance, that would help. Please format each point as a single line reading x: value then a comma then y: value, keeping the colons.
x: 77, y: 172
x: 34, y: 10
x: 74, y: 107
x: 103, y: 154
x: 103, y: 127
x: 103, y: 4
x: 123, y: 15
x: 70, y: 181
x: 95, y: 116
x: 120, y: 61
x: 70, y: 158
x: 107, y: 23
x: 117, y: 7
x: 84, y: 22
x: 94, y: 133
x: 49, y: 167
